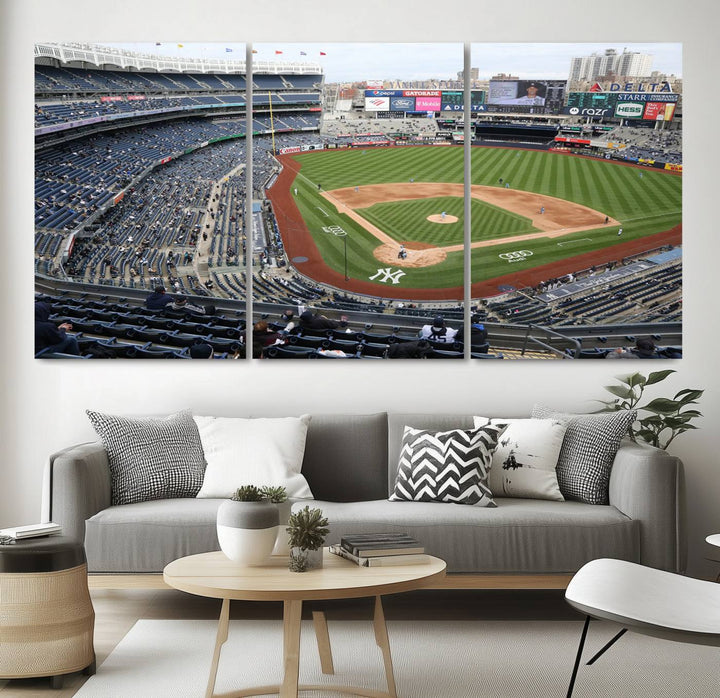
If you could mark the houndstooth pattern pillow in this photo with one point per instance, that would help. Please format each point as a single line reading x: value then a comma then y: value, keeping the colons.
x: 446, y: 466
x: 151, y: 458
x: 588, y: 451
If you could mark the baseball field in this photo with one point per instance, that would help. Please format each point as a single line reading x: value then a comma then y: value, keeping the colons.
x: 393, y: 217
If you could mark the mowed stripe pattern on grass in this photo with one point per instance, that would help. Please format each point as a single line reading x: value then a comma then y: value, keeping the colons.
x: 643, y: 200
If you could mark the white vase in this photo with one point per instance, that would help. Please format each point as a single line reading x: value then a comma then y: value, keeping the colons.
x: 247, y: 531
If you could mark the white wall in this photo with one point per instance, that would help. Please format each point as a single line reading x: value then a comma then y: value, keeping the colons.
x: 43, y: 402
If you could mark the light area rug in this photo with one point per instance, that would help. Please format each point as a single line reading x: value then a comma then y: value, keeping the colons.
x: 432, y: 659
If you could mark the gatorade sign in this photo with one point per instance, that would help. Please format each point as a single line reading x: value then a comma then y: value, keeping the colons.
x: 629, y: 110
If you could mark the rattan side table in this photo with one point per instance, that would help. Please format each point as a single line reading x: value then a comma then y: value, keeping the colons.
x: 46, y: 616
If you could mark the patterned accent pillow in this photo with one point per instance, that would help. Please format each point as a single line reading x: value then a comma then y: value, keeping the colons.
x: 588, y: 451
x: 523, y: 464
x: 151, y: 458
x: 446, y: 466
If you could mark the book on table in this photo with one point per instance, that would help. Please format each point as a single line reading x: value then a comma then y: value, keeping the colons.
x: 31, y: 530
x: 381, y: 544
x: 379, y: 561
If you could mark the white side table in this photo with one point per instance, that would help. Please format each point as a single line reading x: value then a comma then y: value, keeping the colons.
x: 714, y: 539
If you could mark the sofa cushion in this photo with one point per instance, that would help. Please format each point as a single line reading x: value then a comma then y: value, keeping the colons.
x: 524, y: 462
x: 346, y: 457
x: 151, y: 458
x: 263, y: 451
x: 589, y: 447
x: 432, y: 422
x: 146, y: 536
x: 519, y: 536
x: 446, y: 466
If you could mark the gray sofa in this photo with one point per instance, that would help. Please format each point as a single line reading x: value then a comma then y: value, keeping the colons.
x: 350, y: 463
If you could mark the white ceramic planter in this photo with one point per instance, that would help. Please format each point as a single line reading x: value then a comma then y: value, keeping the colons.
x: 247, y: 531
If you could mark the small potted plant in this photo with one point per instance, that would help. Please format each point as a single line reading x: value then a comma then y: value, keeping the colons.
x: 306, y: 529
x: 247, y: 524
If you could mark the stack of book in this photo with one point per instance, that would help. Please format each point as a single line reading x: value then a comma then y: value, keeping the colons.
x: 380, y: 549
x: 31, y: 531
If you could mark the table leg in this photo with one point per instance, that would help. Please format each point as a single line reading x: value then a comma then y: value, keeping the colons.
x: 382, y: 640
x: 222, y: 634
x: 292, y: 614
x: 323, y: 642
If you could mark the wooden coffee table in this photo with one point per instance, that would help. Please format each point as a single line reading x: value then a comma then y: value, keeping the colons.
x: 215, y: 576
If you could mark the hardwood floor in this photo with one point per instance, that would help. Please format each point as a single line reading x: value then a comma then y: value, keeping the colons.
x: 117, y: 610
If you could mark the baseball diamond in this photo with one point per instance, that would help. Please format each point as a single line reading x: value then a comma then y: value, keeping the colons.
x: 555, y: 207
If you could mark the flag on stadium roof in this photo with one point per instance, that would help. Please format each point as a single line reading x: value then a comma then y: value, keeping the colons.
x: 228, y: 50
x: 157, y: 43
x: 277, y: 52
x: 322, y: 53
x: 302, y: 53
x: 180, y: 46
x: 254, y: 50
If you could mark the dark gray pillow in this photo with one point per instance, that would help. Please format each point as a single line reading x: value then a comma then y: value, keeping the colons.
x: 446, y: 466
x: 588, y: 451
x: 151, y: 458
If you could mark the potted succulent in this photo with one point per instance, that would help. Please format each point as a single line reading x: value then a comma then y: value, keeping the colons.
x: 306, y: 529
x: 247, y: 524
x: 278, y: 496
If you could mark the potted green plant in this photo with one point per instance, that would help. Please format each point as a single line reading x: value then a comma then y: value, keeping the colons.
x: 278, y: 496
x: 667, y: 418
x: 306, y: 529
x: 248, y: 522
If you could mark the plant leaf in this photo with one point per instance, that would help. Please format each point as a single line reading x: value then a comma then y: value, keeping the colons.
x: 687, y: 396
x: 636, y: 379
x: 662, y: 405
x: 657, y: 376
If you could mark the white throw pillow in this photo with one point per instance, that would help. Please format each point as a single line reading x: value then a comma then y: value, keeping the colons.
x: 524, y: 461
x: 263, y: 451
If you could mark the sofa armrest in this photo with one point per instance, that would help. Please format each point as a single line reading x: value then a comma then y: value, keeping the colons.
x: 647, y: 485
x: 76, y: 487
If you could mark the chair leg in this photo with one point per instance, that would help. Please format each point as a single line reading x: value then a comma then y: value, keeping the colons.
x: 608, y: 646
x: 578, y: 656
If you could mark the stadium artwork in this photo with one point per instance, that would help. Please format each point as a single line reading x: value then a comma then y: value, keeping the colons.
x: 347, y: 225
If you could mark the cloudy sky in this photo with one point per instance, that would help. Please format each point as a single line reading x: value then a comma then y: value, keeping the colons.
x: 375, y: 61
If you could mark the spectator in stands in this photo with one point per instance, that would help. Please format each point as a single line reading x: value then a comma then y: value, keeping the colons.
x: 315, y: 321
x: 201, y: 351
x: 478, y: 333
x: 286, y: 319
x: 180, y: 302
x: 158, y: 299
x: 51, y: 337
x: 644, y: 349
x: 264, y: 336
x: 438, y: 331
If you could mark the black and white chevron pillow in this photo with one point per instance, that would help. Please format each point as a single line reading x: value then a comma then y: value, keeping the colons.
x: 446, y: 466
x: 151, y: 458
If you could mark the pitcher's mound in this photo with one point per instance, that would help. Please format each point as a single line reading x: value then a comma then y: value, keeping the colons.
x: 420, y: 255
x: 437, y: 218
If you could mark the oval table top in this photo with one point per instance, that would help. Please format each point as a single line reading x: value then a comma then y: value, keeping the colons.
x: 215, y: 576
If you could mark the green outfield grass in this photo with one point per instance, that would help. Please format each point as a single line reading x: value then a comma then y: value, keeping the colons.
x: 644, y: 201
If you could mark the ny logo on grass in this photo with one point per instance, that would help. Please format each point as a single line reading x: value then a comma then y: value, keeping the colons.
x: 388, y: 274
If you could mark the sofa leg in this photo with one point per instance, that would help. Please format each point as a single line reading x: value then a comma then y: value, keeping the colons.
x: 90, y: 669
x: 56, y: 682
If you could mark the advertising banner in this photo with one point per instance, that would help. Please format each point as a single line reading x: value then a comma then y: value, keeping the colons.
x: 113, y: 98
x: 377, y: 103
x: 629, y: 110
x: 428, y: 103
x: 673, y: 168
x: 646, y: 97
x: 421, y: 93
x: 383, y: 93
x: 135, y: 98
x: 658, y: 111
x: 402, y: 103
